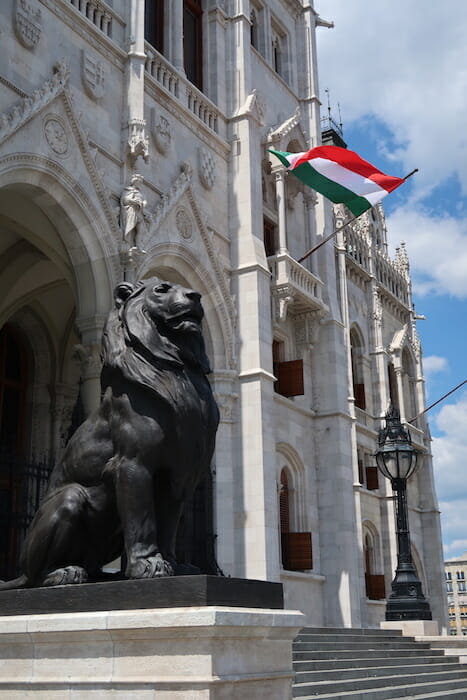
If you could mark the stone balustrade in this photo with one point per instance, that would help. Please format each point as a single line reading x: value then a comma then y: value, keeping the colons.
x: 180, y: 88
x: 301, y: 285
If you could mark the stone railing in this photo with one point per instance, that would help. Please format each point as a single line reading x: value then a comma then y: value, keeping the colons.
x: 391, y: 278
x: 179, y: 87
x: 97, y: 12
x: 300, y: 287
x: 162, y: 71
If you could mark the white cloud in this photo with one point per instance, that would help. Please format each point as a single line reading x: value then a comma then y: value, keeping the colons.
x: 449, y: 460
x: 450, y: 453
x: 456, y: 548
x: 405, y: 63
x: 437, y: 249
x: 434, y: 364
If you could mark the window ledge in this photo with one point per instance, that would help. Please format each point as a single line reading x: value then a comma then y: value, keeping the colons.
x: 302, y: 575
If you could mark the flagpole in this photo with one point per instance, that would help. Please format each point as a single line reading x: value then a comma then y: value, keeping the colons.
x: 346, y: 223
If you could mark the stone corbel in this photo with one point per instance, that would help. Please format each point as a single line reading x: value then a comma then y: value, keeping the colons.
x: 282, y: 299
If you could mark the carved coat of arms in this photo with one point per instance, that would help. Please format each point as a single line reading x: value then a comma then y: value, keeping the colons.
x: 28, y: 22
x: 92, y: 75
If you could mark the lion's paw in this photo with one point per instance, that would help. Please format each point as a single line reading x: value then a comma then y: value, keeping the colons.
x: 150, y: 567
x: 65, y: 575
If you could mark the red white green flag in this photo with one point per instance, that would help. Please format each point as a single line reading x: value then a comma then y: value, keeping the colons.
x: 341, y: 176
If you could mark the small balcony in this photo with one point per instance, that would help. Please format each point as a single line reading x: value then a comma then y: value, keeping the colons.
x: 294, y: 286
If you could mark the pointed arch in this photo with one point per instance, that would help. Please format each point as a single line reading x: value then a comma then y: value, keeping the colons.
x: 357, y: 351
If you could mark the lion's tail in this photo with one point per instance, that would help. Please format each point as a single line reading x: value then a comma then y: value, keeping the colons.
x: 20, y: 582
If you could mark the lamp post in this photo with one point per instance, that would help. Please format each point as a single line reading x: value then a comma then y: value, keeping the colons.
x: 397, y: 461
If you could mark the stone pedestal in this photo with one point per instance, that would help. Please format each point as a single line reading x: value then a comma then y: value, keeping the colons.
x: 189, y: 653
x: 412, y: 628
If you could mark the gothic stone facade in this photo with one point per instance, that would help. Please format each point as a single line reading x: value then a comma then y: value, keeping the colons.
x: 190, y: 95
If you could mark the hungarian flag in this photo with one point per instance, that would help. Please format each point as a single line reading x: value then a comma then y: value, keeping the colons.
x: 341, y: 176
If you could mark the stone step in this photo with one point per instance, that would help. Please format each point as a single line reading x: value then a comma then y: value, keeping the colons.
x: 376, y: 682
x: 369, y: 663
x: 312, y: 637
x: 357, y: 654
x: 458, y: 694
x: 317, y: 675
x: 363, y: 631
x: 440, y: 690
x: 348, y: 646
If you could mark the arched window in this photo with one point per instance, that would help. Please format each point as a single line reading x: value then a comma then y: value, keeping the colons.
x: 254, y: 29
x: 154, y: 23
x: 392, y: 383
x: 408, y: 383
x: 296, y: 551
x: 374, y: 582
x: 358, y: 381
x: 193, y: 41
x: 277, y: 55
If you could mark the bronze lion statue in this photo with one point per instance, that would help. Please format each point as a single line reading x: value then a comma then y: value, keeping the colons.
x: 130, y: 467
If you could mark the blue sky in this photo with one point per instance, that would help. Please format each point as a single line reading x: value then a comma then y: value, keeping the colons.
x: 398, y: 70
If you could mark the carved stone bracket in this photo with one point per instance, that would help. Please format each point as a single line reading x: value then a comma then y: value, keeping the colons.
x: 283, y: 297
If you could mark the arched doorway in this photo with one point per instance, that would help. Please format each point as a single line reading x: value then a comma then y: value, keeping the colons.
x: 15, y: 370
x: 48, y: 282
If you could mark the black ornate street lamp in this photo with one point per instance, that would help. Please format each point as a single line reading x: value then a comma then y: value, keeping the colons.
x: 397, y: 461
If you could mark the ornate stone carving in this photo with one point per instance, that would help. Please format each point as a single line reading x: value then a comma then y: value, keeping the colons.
x: 170, y: 199
x: 282, y: 298
x: 28, y: 22
x: 184, y: 224
x: 89, y: 358
x: 92, y: 75
x: 29, y: 106
x: 138, y: 142
x: 285, y: 128
x: 134, y: 219
x: 254, y: 107
x: 161, y: 132
x: 56, y: 136
x: 227, y: 404
x: 377, y: 311
x: 206, y: 168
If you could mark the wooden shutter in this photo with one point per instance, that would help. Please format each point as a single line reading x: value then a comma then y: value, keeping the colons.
x: 375, y: 588
x: 372, y: 482
x: 284, y: 502
x: 297, y: 551
x: 289, y: 378
x: 359, y: 394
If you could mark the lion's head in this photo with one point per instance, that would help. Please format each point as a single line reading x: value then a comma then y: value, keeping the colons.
x: 155, y: 325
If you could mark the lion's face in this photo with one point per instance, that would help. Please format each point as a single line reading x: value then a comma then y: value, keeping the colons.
x: 158, y: 321
x: 178, y: 309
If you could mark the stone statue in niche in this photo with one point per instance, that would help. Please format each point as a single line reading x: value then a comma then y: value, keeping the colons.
x: 130, y: 467
x: 133, y: 217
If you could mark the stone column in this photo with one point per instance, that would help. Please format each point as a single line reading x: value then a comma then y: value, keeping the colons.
x: 279, y: 175
x: 88, y: 353
x: 176, y: 36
